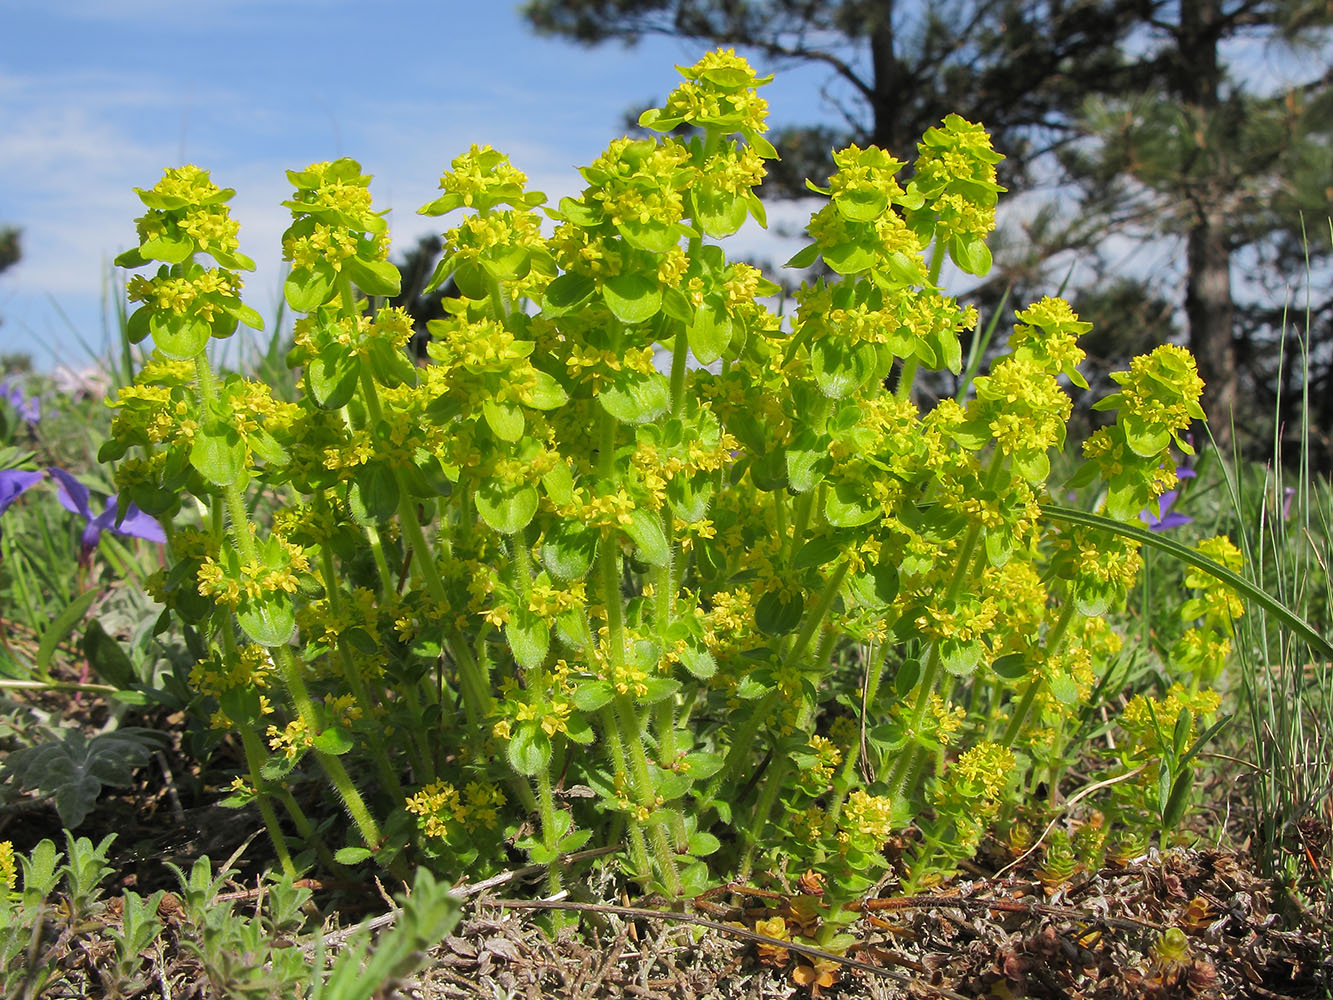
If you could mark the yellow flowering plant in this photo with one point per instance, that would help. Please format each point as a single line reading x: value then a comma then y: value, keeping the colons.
x: 630, y: 558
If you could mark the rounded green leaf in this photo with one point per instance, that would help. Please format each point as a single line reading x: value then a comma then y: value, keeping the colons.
x: 180, y: 338
x: 777, y: 614
x: 635, y: 397
x: 645, y: 531
x: 568, y: 550
x: 960, y: 658
x: 589, y: 696
x: 529, y: 638
x: 330, y: 378
x: 546, y: 393
x: 844, y: 507
x: 699, y: 662
x: 708, y: 334
x: 336, y: 740
x: 632, y: 298
x: 306, y: 289
x: 218, y: 454
x: 504, y: 418
x: 505, y: 507
x: 529, y: 750
x: 268, y: 623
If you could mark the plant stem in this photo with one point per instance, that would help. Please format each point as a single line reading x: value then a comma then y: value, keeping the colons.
x: 1053, y: 638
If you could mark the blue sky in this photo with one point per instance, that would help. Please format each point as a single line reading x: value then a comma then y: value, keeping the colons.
x: 96, y: 97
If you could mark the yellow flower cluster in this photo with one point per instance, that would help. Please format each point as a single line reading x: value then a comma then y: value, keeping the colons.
x: 719, y: 92
x: 251, y: 667
x: 197, y: 292
x: 481, y: 171
x: 1162, y: 388
x: 635, y: 181
x: 867, y: 814
x: 292, y: 740
x: 1138, y: 714
x: 440, y: 804
x: 254, y: 580
x: 987, y: 765
x: 198, y: 211
x: 8, y: 870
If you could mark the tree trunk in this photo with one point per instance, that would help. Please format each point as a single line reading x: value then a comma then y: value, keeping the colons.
x: 1208, y: 312
x: 1208, y: 303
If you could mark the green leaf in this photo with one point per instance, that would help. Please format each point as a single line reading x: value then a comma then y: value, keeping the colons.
x: 658, y: 689
x: 699, y: 662
x: 306, y: 289
x: 972, y: 256
x: 353, y: 855
x: 589, y: 696
x: 708, y: 334
x: 1064, y: 688
x: 505, y: 418
x: 559, y: 483
x: 635, y: 397
x: 277, y: 767
x: 180, y: 338
x: 580, y: 213
x: 1181, y: 733
x: 645, y: 531
x: 165, y: 249
x: 374, y: 277
x: 506, y: 507
x: 106, y: 656
x: 632, y: 298
x: 336, y: 740
x: 546, y: 393
x: 566, y: 293
x: 702, y: 844
x: 861, y: 204
x: 704, y: 765
x: 849, y: 258
x: 804, y: 258
x: 808, y: 462
x: 373, y: 495
x: 718, y: 212
x: 960, y: 658
x: 1173, y: 809
x: 1011, y: 667
x: 268, y: 623
x: 775, y: 614
x: 529, y: 750
x: 818, y: 551
x: 331, y: 378
x: 568, y: 549
x: 61, y: 626
x: 839, y: 368
x: 846, y: 508
x: 654, y: 236
x: 218, y: 454
x: 529, y: 638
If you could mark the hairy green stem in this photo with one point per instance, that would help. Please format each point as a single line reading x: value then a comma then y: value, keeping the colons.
x: 1054, y: 636
x: 254, y: 760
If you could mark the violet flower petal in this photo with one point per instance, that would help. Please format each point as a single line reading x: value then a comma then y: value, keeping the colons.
x: 71, y: 493
x: 13, y: 482
x: 136, y: 524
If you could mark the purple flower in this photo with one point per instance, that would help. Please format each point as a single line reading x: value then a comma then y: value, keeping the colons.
x: 13, y: 482
x: 73, y: 496
x: 1165, y: 519
x: 29, y: 408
